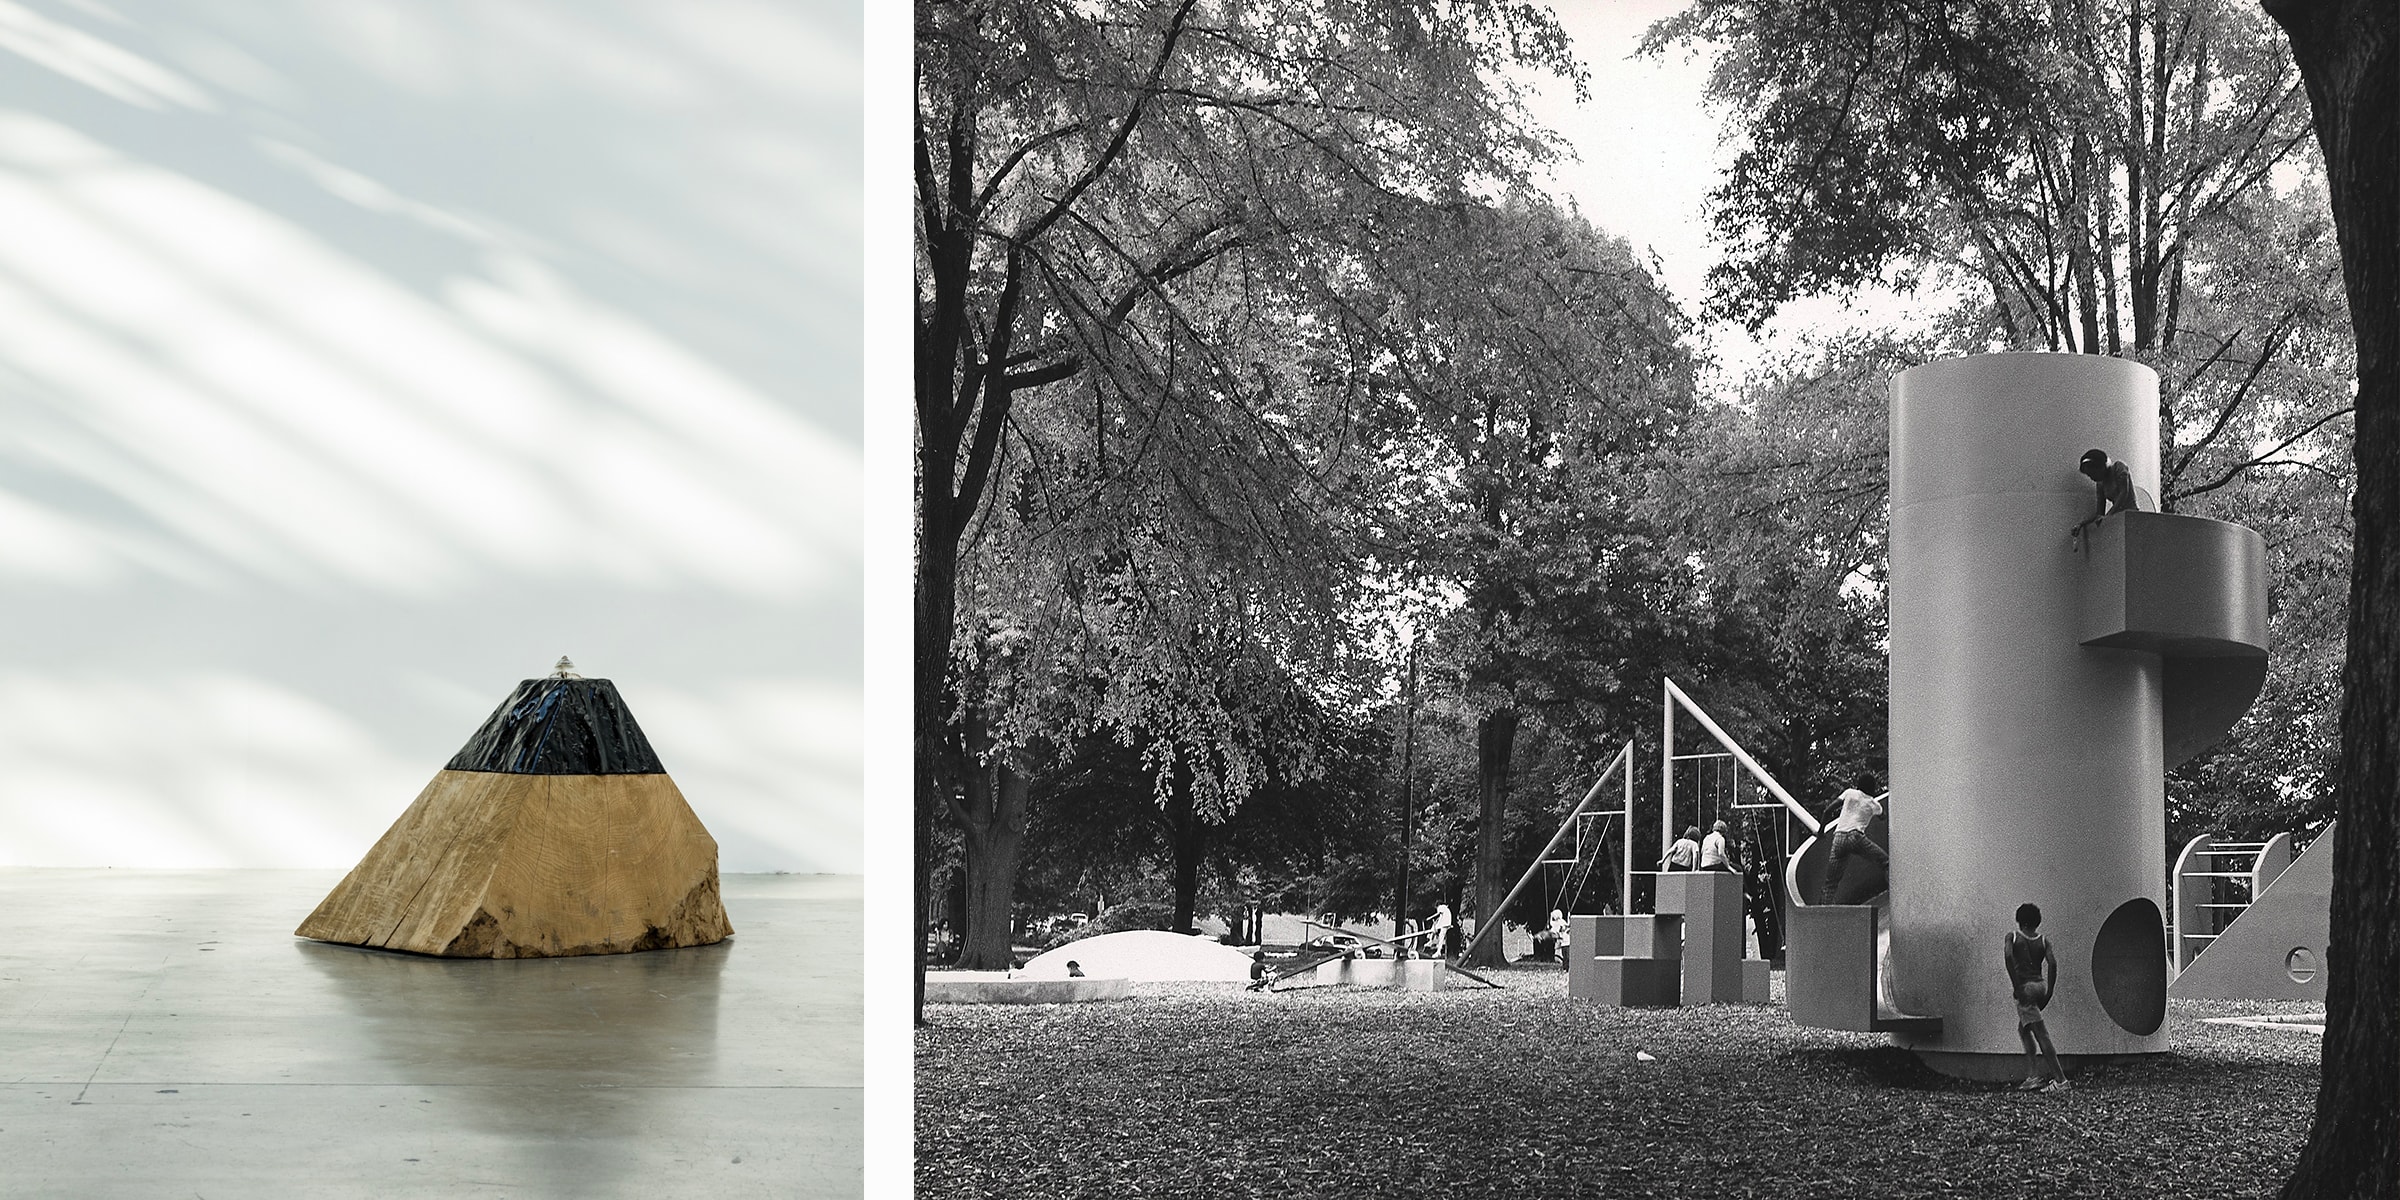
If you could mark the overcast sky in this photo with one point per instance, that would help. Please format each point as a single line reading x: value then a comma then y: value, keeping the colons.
x: 1646, y: 153
x: 1646, y: 150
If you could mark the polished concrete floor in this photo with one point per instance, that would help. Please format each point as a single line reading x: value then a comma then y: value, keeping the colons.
x: 163, y: 1034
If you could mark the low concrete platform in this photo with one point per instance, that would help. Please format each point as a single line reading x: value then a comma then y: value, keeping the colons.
x: 1623, y: 982
x: 1402, y: 974
x: 993, y: 987
x: 162, y: 1033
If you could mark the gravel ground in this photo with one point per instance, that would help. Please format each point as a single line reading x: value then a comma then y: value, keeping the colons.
x: 1211, y: 1090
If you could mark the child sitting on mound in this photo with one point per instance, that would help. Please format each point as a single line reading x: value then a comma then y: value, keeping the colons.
x: 2032, y: 977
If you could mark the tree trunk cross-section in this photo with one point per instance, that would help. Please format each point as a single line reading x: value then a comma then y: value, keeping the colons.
x: 534, y: 862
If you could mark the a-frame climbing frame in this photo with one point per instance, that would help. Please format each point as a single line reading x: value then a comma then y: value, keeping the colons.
x: 1620, y: 766
x: 1674, y: 698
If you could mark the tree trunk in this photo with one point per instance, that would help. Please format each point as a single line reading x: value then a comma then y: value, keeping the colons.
x: 2349, y: 57
x: 940, y: 330
x: 936, y: 600
x: 1187, y: 833
x: 1495, y: 742
x: 1408, y: 810
x: 993, y: 817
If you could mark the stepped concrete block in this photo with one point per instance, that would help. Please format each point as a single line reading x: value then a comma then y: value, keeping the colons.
x: 1755, y: 988
x: 1710, y: 903
x: 1829, y: 966
x: 1631, y: 982
x: 1591, y: 935
x: 1641, y: 935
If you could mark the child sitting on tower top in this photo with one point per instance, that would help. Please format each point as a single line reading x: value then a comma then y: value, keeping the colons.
x: 2113, y: 481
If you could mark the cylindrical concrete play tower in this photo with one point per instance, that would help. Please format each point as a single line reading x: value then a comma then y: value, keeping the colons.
x: 2026, y: 764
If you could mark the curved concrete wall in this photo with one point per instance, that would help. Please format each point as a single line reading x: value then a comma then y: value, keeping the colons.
x: 2194, y: 592
x: 2025, y: 766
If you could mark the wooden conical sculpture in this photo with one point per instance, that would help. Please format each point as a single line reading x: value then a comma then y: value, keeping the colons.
x: 555, y: 832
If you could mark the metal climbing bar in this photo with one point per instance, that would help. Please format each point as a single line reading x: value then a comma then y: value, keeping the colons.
x: 1485, y: 923
x: 1675, y: 697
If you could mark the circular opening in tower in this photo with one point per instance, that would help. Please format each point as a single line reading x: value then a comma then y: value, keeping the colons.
x: 2129, y: 967
x: 2300, y: 965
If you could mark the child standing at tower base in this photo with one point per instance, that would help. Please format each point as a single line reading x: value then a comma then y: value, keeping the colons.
x: 2032, y: 978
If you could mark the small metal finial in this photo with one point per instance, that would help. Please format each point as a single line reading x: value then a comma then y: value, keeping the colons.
x: 566, y: 669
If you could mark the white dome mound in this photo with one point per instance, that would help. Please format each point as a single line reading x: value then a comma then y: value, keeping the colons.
x: 1146, y: 955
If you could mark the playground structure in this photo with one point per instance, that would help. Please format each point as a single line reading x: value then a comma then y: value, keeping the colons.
x: 2046, y: 670
x: 1702, y: 910
x: 2044, y: 675
x: 2047, y: 667
x: 1590, y: 829
x: 1690, y: 948
x: 1345, y: 957
x: 1144, y: 956
x: 1109, y: 964
x: 2210, y: 893
x: 994, y: 987
x: 2255, y: 934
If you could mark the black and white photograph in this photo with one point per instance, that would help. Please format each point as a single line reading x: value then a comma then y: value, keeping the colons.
x: 1675, y: 598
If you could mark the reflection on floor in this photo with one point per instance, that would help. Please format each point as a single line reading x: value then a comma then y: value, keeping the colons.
x: 163, y: 1033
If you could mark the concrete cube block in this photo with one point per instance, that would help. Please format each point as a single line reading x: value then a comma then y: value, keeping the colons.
x: 1754, y: 981
x: 1640, y: 935
x: 1653, y: 936
x: 1710, y: 903
x: 1688, y: 891
x: 1674, y: 887
x: 1590, y: 935
x: 1422, y: 974
x: 1631, y: 982
x: 1583, y: 973
x: 1829, y: 966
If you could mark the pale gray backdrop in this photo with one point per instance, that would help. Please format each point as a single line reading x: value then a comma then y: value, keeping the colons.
x: 358, y: 359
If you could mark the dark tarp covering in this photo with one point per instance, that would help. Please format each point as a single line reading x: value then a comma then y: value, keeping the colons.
x: 560, y: 727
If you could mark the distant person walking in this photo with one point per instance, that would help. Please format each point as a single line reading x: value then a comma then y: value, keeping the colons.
x: 1558, y: 934
x: 1859, y: 810
x: 1684, y: 855
x: 2033, y: 979
x: 1439, y: 932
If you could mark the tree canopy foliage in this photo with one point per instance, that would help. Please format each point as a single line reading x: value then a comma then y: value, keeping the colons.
x: 2116, y: 177
x: 1132, y: 225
